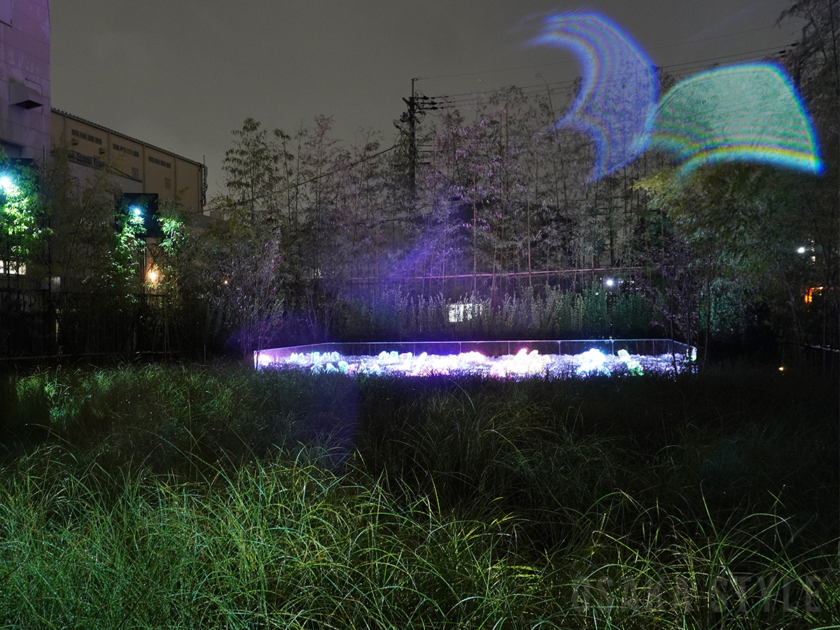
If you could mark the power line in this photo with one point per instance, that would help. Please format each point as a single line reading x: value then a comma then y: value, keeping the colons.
x: 567, y: 83
x: 568, y: 62
x: 453, y: 100
x: 528, y: 92
x: 447, y: 102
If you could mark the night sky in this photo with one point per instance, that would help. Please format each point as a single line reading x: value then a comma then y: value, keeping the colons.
x: 182, y: 74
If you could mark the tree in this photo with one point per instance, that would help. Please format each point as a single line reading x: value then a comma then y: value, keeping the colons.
x: 242, y: 262
x: 744, y: 224
x: 767, y: 234
x: 77, y: 252
x: 22, y: 226
x: 23, y: 230
x: 815, y: 65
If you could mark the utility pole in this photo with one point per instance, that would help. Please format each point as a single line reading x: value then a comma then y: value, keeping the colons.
x: 412, y: 140
x: 418, y: 105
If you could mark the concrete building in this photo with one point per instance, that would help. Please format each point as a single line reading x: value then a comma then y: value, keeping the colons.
x: 25, y: 78
x: 137, y: 167
x: 29, y: 126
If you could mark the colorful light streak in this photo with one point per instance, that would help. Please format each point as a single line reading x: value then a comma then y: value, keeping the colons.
x: 524, y: 364
x: 746, y: 113
x: 617, y: 100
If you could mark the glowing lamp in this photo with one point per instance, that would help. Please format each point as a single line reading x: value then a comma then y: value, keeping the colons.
x: 801, y: 250
x: 609, y: 282
x: 592, y: 361
x: 136, y: 211
x: 7, y: 185
x: 263, y: 360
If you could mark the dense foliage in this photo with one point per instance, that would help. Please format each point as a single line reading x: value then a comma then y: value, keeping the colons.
x: 220, y: 497
x: 500, y: 204
x: 481, y: 201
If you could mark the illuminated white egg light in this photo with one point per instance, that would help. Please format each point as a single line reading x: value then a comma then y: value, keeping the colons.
x: 592, y: 361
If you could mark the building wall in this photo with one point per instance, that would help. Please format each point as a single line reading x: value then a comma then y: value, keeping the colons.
x: 25, y: 77
x: 29, y: 126
x: 152, y: 169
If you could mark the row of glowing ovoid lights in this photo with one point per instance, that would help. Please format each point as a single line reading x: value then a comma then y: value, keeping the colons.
x: 590, y: 362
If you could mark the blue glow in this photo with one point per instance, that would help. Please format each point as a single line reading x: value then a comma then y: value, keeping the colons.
x: 137, y: 211
x: 7, y: 185
x: 592, y: 361
x: 617, y: 101
x: 745, y: 113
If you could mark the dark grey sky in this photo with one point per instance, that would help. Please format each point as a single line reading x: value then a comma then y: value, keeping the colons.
x: 182, y: 74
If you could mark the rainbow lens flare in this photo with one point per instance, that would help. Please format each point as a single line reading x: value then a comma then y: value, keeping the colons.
x: 616, y: 102
x: 749, y: 112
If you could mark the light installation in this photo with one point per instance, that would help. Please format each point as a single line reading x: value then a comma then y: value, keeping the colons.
x: 748, y: 112
x: 524, y: 364
x: 617, y: 99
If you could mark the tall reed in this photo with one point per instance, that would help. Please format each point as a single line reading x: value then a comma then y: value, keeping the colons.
x: 174, y: 496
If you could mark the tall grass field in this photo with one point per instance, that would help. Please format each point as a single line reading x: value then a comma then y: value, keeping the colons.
x: 219, y: 497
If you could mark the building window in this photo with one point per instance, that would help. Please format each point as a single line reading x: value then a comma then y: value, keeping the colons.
x: 154, y: 160
x: 135, y: 173
x: 12, y: 268
x: 167, y: 183
x: 81, y: 134
x: 126, y: 150
x: 12, y: 150
x: 464, y: 312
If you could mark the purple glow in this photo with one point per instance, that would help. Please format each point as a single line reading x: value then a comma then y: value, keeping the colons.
x: 617, y: 101
x: 524, y: 364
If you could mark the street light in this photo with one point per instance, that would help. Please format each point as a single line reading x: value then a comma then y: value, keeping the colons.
x: 7, y: 185
x: 136, y: 210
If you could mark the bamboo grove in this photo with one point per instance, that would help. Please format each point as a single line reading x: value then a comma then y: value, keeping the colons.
x: 484, y: 201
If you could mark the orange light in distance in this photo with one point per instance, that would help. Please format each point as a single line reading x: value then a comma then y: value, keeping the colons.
x: 809, y: 294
